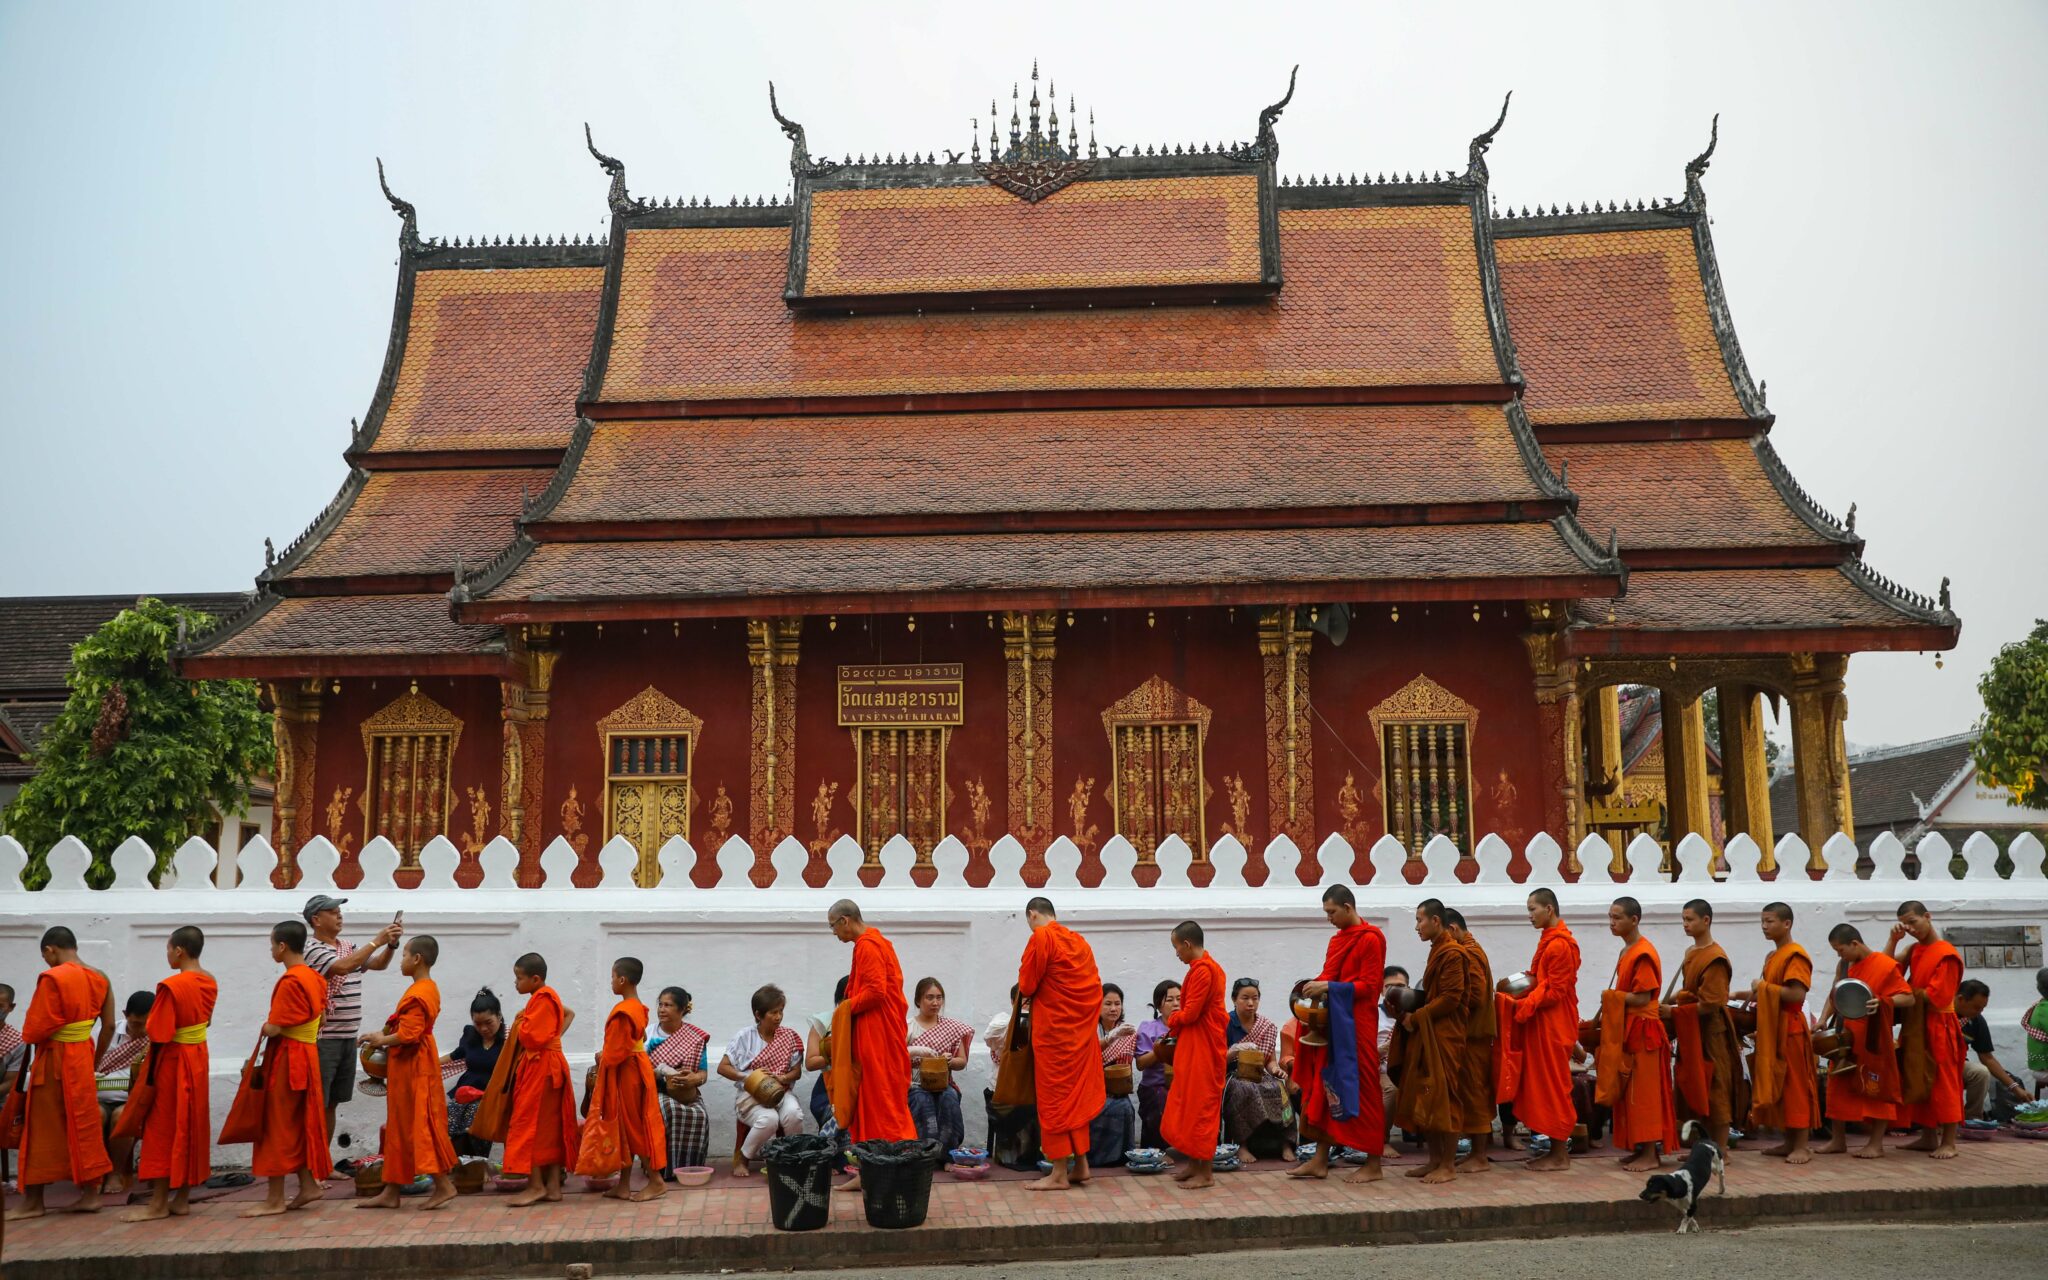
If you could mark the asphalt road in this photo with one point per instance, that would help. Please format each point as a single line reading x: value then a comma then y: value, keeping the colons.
x: 1975, y: 1251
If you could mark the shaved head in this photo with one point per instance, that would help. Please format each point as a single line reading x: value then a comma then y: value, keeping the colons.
x: 1189, y: 932
x: 1341, y: 895
x: 1043, y: 906
x: 844, y: 909
x: 1543, y: 898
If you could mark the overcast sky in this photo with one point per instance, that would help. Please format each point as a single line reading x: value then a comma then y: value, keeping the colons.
x: 196, y: 268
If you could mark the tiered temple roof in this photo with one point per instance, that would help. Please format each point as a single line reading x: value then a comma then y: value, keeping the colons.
x: 1065, y: 376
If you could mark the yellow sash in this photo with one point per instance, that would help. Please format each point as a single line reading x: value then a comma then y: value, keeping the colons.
x: 72, y: 1033
x: 639, y: 1046
x: 304, y: 1033
x: 194, y: 1034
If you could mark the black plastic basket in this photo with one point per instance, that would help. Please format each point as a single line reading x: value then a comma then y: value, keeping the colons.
x: 896, y: 1180
x: 798, y: 1170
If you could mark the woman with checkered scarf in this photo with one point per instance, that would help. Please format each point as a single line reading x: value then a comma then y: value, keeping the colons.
x: 681, y: 1066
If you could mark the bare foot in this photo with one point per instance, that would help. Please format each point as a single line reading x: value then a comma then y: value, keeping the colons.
x: 1838, y: 1145
x: 1474, y: 1164
x: 1439, y: 1176
x: 535, y: 1192
x: 23, y: 1213
x: 1801, y: 1156
x: 1557, y: 1159
x: 1870, y: 1153
x: 1947, y: 1151
x: 1421, y: 1172
x: 1054, y: 1181
x: 267, y: 1209
x: 654, y: 1190
x: 1244, y: 1156
x: 851, y: 1184
x: 443, y: 1192
x: 553, y: 1195
x: 1925, y: 1142
x: 1365, y: 1173
x: 308, y: 1193
x: 1313, y: 1167
x: 1782, y: 1150
x: 1185, y: 1172
x: 385, y: 1199
x: 1199, y: 1181
x: 619, y: 1190
x: 89, y: 1202
x: 1641, y: 1164
x: 148, y: 1213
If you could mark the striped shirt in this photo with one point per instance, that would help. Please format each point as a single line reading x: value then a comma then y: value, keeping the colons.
x: 342, y: 1019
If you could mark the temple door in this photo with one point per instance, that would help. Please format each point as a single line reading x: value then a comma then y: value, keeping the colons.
x: 410, y: 750
x: 902, y: 787
x: 1159, y: 784
x: 648, y: 779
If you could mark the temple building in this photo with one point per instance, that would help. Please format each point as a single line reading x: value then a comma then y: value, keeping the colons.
x: 1062, y: 490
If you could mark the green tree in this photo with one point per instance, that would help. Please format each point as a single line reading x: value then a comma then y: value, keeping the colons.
x: 1710, y: 711
x: 137, y: 751
x: 2012, y: 749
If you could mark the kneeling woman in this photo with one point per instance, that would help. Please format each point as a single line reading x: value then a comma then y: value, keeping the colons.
x: 1254, y: 1094
x: 681, y: 1066
x: 938, y: 1048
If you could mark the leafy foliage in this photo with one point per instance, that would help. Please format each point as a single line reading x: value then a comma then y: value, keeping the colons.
x: 137, y: 751
x: 2013, y: 749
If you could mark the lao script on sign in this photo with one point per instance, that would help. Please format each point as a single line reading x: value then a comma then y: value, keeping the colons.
x: 920, y: 694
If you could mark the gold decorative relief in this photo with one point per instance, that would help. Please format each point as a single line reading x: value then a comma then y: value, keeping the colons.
x: 648, y: 745
x: 1079, y: 802
x: 1028, y: 649
x: 1290, y: 763
x: 1424, y: 733
x: 572, y: 822
x: 1156, y: 736
x: 408, y: 761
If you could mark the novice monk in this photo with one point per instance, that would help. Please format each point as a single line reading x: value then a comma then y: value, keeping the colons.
x: 1340, y: 1093
x: 1430, y: 1047
x: 1058, y: 976
x: 293, y: 1137
x: 1709, y: 1052
x: 1935, y: 970
x: 625, y: 1085
x: 177, y: 1134
x: 778, y: 1050
x: 1477, y: 1090
x: 1546, y: 1029
x: 542, y: 1136
x: 1783, y: 1092
x: 61, y: 1138
x: 1634, y: 1075
x: 1871, y: 1095
x: 868, y: 1097
x: 1194, y: 1097
x: 416, y: 1137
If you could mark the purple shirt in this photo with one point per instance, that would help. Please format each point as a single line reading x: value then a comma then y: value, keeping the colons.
x: 1151, y: 1032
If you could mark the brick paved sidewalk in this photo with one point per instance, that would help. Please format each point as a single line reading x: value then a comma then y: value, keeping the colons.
x: 725, y: 1225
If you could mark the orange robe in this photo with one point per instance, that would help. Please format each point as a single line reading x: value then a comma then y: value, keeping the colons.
x: 543, y: 1129
x: 1872, y: 1093
x: 1194, y: 1097
x: 1546, y: 1028
x: 415, y: 1110
x: 1478, y: 1079
x: 1784, y: 1093
x: 1432, y: 1054
x: 1357, y: 956
x: 626, y: 1078
x: 1709, y: 1052
x: 881, y: 1052
x: 1641, y: 1050
x: 1059, y: 977
x: 177, y: 1136
x: 294, y: 1133
x: 1936, y: 969
x: 61, y: 1139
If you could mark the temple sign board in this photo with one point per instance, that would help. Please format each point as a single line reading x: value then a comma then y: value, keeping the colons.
x: 919, y: 694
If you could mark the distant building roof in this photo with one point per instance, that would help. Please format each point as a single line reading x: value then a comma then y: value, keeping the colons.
x: 1891, y: 788
x: 38, y: 632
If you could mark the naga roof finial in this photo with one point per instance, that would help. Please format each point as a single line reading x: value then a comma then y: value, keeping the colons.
x: 409, y: 228
x: 1475, y: 154
x: 799, y: 151
x: 1695, y: 194
x: 1945, y: 606
x: 1267, y: 139
x: 617, y: 198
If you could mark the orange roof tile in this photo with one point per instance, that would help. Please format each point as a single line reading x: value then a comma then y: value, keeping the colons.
x: 354, y: 626
x: 1129, y: 233
x: 1741, y: 599
x: 1375, y: 297
x: 1217, y: 459
x: 1613, y: 327
x: 1680, y: 493
x: 493, y: 359
x: 410, y: 522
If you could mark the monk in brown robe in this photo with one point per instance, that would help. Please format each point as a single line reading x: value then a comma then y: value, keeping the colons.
x: 1478, y: 1083
x: 1546, y: 1028
x: 1871, y: 1095
x: 1935, y: 971
x: 293, y: 1136
x: 1431, y: 1048
x: 625, y: 1084
x: 543, y: 1133
x: 416, y: 1137
x: 1784, y: 1093
x: 1708, y: 1050
x: 177, y: 1132
x: 868, y: 1095
x: 1058, y: 976
x: 1634, y: 1073
x: 61, y: 1139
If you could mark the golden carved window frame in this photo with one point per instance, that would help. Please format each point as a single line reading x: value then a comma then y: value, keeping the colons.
x: 410, y: 714
x: 1158, y: 701
x: 1424, y: 701
x: 650, y: 712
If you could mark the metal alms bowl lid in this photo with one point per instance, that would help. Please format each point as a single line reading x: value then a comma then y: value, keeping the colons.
x: 1854, y: 998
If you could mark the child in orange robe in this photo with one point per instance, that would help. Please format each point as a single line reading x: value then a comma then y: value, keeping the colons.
x: 61, y: 1138
x: 1784, y: 1093
x: 1194, y: 1097
x: 1871, y: 1094
x: 543, y: 1135
x: 625, y: 1090
x: 1546, y: 1019
x: 416, y: 1137
x: 1632, y: 1035
x: 293, y: 1137
x: 1934, y: 968
x: 177, y: 1133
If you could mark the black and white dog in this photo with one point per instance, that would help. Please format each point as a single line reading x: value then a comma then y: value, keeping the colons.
x: 1685, y: 1187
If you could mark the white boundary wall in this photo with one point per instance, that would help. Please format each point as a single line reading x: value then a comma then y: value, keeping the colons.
x: 721, y: 943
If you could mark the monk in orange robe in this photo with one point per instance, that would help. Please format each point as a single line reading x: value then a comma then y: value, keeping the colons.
x: 542, y: 1133
x: 415, y: 1110
x: 625, y: 1083
x: 1546, y: 1029
x: 1340, y: 1093
x: 1634, y: 1071
x: 1478, y: 1084
x: 1058, y: 976
x: 1783, y: 1091
x: 1871, y: 1095
x: 1934, y: 969
x: 177, y: 1133
x: 1708, y: 1050
x: 61, y: 1139
x: 1194, y: 1097
x: 293, y: 1136
x: 1429, y: 1047
x: 868, y: 1097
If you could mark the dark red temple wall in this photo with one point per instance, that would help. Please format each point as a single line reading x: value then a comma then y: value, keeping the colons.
x: 976, y: 751
x: 702, y: 665
x: 341, y: 761
x: 1482, y: 662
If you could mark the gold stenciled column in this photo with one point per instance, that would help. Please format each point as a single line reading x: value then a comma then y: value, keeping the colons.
x: 772, y: 653
x: 1745, y: 779
x: 1028, y: 648
x: 523, y: 704
x: 1290, y: 762
x: 1819, y: 756
x: 1603, y: 769
x: 295, y: 729
x: 1559, y: 713
x: 1685, y: 770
